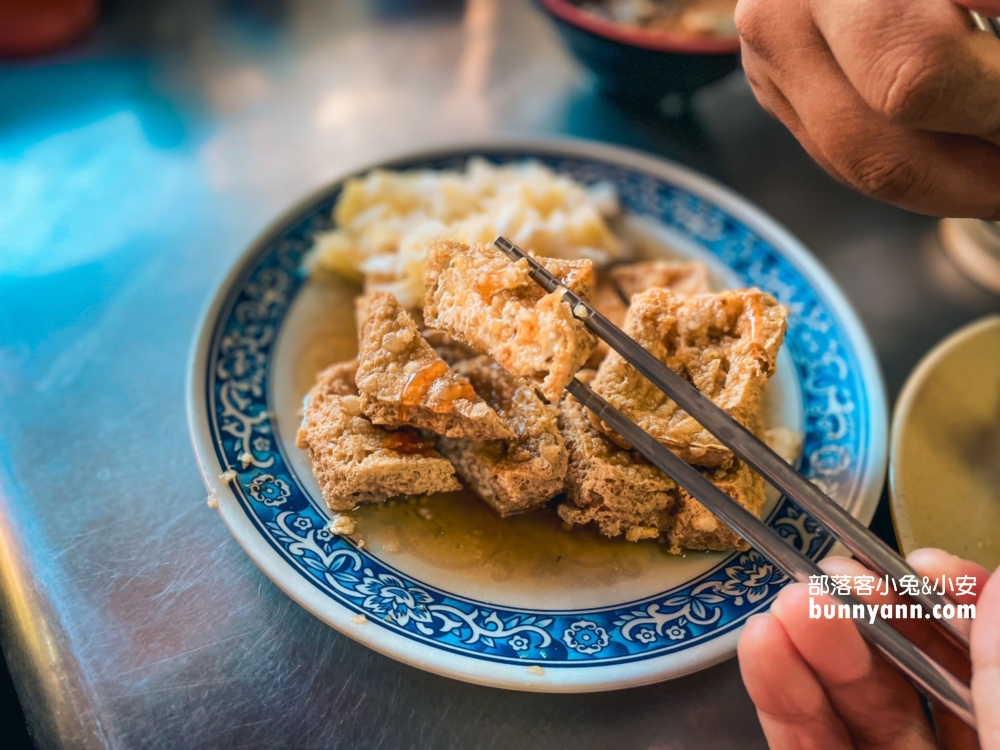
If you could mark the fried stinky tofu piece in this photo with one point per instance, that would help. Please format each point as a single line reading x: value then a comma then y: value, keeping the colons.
x: 725, y: 344
x: 355, y: 461
x: 612, y: 487
x: 450, y: 349
x: 683, y: 278
x: 609, y: 303
x: 482, y: 299
x: 403, y: 381
x: 620, y: 284
x: 511, y: 475
x: 621, y: 494
x: 692, y: 526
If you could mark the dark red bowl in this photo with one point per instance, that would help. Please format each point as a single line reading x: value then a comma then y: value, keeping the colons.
x: 37, y: 27
x: 640, y: 66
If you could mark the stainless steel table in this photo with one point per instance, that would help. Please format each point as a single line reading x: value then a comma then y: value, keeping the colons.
x: 134, y: 170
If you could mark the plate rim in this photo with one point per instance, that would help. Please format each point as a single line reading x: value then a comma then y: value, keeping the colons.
x: 398, y: 647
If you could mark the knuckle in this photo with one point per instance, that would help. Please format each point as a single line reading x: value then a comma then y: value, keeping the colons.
x: 752, y: 23
x: 768, y: 96
x: 756, y: 76
x: 885, y: 176
x: 908, y: 83
x: 765, y: 102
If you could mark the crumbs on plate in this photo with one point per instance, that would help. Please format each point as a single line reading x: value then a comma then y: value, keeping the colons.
x: 342, y: 526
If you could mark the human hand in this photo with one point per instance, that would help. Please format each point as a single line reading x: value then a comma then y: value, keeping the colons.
x: 817, y: 684
x: 899, y: 98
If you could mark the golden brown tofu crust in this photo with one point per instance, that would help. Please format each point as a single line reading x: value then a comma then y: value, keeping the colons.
x: 450, y: 349
x: 609, y: 303
x: 402, y: 380
x: 614, y: 488
x: 511, y: 475
x: 482, y: 299
x: 683, y: 278
x: 725, y: 344
x: 692, y: 526
x: 355, y: 461
x: 621, y: 494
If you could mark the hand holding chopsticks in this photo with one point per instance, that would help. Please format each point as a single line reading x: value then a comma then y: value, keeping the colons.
x: 922, y: 670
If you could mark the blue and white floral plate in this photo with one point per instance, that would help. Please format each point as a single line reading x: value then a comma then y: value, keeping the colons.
x: 270, y: 329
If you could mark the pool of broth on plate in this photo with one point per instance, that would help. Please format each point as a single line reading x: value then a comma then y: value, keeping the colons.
x: 459, y: 532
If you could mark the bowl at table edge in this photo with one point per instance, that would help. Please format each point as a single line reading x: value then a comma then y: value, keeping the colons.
x: 649, y: 69
x: 944, y: 476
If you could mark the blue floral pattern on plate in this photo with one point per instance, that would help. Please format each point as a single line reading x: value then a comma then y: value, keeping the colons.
x: 838, y: 427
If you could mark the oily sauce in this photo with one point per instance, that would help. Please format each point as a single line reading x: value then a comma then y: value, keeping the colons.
x: 430, y: 388
x: 458, y: 532
x: 420, y: 382
x: 408, y: 442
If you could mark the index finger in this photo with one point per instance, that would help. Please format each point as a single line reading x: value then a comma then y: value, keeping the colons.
x: 952, y: 731
x: 934, y: 563
x: 878, y: 707
x: 917, y: 628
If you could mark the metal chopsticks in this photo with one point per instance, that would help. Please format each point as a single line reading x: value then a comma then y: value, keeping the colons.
x: 925, y: 672
x: 930, y: 676
x: 986, y: 23
x: 869, y: 549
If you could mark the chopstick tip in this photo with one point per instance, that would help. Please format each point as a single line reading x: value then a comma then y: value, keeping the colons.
x: 505, y: 245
